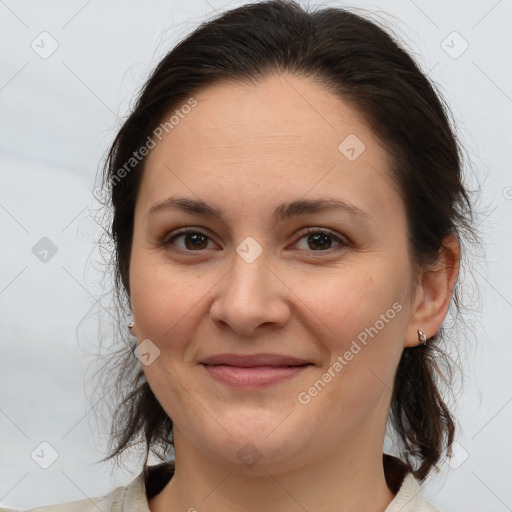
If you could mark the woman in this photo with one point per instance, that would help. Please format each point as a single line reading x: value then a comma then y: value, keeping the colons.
x: 287, y: 218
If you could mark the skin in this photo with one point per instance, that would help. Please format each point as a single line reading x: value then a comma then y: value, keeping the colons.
x: 245, y: 149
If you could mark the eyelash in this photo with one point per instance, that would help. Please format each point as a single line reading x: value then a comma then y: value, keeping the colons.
x: 324, y: 231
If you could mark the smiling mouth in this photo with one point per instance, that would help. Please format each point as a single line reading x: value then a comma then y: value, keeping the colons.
x: 253, y: 377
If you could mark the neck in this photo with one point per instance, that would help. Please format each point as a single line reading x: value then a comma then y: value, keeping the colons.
x: 351, y: 480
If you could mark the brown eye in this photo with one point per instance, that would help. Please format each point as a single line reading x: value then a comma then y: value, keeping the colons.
x: 321, y: 239
x: 193, y: 240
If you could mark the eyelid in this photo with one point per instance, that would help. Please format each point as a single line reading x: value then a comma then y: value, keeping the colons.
x: 342, y: 240
x: 184, y: 231
x: 327, y: 231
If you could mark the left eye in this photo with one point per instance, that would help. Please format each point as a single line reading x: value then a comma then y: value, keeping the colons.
x: 316, y: 239
x: 320, y: 239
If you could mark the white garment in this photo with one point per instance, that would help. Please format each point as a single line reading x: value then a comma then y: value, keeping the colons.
x: 132, y: 498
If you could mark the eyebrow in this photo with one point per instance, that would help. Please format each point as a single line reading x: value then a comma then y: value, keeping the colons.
x: 283, y: 211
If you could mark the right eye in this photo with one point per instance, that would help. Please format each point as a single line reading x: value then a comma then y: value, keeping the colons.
x: 193, y: 240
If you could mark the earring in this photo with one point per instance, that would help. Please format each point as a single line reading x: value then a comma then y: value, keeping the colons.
x: 422, y: 337
x: 130, y: 325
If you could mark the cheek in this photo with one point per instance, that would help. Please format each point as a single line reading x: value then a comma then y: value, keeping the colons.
x: 164, y: 297
x: 349, y: 300
x: 165, y: 304
x: 359, y: 319
x: 372, y: 320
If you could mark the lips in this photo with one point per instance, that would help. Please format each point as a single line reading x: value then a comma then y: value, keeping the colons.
x: 253, y: 372
x: 254, y: 360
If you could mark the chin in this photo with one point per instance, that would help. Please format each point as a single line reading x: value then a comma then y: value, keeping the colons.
x: 256, y: 449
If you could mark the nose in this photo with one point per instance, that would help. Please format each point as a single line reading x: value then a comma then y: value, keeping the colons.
x: 249, y: 298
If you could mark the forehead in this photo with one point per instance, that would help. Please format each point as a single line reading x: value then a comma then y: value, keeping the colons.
x: 284, y: 134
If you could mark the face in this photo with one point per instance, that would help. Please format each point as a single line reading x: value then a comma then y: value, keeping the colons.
x: 329, y: 284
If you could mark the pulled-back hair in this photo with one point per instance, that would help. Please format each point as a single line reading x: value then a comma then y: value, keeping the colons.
x: 362, y: 64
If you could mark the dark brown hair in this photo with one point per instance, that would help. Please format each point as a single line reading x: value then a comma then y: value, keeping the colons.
x: 363, y: 64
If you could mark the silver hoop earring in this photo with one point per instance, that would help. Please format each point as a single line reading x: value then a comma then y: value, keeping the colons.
x: 422, y: 337
x: 130, y: 325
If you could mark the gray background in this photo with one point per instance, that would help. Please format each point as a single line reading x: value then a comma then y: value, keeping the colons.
x: 59, y: 114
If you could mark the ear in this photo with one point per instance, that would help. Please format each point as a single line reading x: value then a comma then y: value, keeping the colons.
x: 433, y: 294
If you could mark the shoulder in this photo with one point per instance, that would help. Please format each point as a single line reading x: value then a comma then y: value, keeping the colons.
x: 129, y: 498
x: 407, y: 489
x: 410, y: 498
x: 86, y: 505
